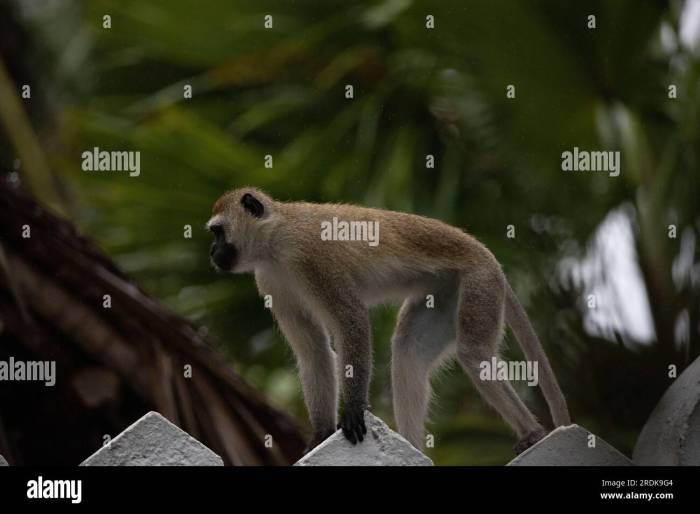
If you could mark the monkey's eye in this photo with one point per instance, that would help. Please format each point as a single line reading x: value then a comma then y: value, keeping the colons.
x: 217, y: 230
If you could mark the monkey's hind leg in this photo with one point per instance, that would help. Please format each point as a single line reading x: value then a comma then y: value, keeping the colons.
x: 422, y: 336
x: 479, y: 334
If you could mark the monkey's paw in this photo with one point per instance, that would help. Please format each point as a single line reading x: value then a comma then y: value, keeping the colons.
x: 529, y: 440
x: 352, y: 422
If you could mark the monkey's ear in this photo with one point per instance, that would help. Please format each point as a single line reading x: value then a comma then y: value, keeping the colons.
x: 252, y: 205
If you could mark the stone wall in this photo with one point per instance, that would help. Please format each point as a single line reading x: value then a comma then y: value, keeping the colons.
x: 671, y: 436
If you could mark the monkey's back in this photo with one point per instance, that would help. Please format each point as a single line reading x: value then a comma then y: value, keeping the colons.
x: 407, y: 243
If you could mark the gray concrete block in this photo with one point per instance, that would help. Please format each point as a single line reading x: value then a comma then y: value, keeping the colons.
x: 671, y: 435
x: 3, y: 462
x: 381, y: 447
x: 153, y: 441
x: 570, y: 446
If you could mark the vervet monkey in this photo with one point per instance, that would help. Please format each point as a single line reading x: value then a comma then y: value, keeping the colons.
x: 321, y: 291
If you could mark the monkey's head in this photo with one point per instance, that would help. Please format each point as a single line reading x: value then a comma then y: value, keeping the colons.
x: 242, y: 223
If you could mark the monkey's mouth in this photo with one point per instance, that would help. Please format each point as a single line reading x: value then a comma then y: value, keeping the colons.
x: 223, y: 256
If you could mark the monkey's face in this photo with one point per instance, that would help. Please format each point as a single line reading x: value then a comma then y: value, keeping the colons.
x: 223, y: 254
x: 237, y: 226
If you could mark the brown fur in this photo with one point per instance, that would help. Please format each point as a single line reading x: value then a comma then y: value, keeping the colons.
x: 321, y: 291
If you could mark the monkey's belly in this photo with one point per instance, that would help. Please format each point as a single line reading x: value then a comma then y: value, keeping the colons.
x: 391, y: 288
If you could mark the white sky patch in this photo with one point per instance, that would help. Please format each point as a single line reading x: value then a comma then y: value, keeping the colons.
x: 690, y: 25
x: 610, y: 271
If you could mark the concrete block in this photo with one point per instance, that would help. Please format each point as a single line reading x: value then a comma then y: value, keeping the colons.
x: 381, y: 447
x: 671, y: 435
x: 3, y: 462
x: 569, y: 446
x: 153, y: 441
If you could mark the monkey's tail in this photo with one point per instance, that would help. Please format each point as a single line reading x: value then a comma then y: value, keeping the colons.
x: 519, y: 322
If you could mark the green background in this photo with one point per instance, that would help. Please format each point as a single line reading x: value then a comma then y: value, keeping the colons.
x: 417, y: 91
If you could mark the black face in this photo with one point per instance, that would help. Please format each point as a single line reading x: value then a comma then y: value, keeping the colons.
x: 223, y: 254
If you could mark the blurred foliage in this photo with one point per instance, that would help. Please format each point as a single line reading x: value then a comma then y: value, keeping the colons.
x: 418, y: 91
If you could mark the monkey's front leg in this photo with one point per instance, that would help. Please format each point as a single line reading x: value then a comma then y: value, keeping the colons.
x: 316, y: 362
x: 352, y: 336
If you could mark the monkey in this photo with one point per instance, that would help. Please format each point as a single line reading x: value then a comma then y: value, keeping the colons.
x: 322, y: 289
